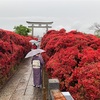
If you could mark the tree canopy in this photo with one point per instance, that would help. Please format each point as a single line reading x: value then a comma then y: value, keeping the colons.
x: 96, y: 28
x: 22, y: 30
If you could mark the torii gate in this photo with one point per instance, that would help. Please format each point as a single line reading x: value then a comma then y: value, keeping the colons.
x: 39, y: 25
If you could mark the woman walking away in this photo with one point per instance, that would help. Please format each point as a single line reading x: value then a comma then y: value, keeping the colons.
x: 37, y: 64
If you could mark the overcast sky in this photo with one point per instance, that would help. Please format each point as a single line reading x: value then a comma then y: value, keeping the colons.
x: 68, y: 14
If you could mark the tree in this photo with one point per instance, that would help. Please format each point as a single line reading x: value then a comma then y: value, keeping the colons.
x: 22, y: 30
x: 96, y: 28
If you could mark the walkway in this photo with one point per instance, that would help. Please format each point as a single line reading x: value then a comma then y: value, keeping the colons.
x: 20, y: 86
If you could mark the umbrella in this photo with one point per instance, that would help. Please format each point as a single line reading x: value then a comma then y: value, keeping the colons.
x: 34, y: 52
x: 34, y: 41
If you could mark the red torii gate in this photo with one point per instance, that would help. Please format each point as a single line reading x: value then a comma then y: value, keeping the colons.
x: 39, y: 25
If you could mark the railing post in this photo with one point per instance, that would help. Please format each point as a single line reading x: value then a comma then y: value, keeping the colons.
x: 52, y: 84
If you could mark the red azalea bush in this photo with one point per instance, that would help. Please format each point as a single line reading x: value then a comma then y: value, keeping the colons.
x: 72, y: 57
x: 84, y: 83
x: 13, y: 49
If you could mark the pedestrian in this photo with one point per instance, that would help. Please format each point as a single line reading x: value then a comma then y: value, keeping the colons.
x: 34, y: 46
x: 37, y: 64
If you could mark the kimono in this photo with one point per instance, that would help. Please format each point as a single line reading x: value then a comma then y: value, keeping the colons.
x: 37, y: 64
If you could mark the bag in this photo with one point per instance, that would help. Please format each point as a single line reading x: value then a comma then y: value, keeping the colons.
x: 36, y: 63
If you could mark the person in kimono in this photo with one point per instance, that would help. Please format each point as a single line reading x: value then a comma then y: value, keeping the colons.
x: 37, y: 64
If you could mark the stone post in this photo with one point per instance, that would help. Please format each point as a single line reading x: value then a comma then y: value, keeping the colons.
x: 52, y: 84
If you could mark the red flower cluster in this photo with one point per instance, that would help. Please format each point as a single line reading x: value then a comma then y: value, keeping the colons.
x: 13, y: 48
x: 73, y: 57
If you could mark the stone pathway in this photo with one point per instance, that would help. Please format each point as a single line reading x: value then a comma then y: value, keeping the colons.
x: 20, y: 86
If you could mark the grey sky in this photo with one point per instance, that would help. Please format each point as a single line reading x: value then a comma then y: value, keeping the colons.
x: 68, y: 14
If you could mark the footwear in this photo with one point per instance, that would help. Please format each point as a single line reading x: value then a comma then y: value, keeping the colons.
x: 34, y: 85
x: 38, y: 86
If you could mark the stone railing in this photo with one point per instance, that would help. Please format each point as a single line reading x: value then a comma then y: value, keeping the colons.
x: 54, y: 93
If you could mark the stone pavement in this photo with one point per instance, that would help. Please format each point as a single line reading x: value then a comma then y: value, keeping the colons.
x: 20, y: 86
